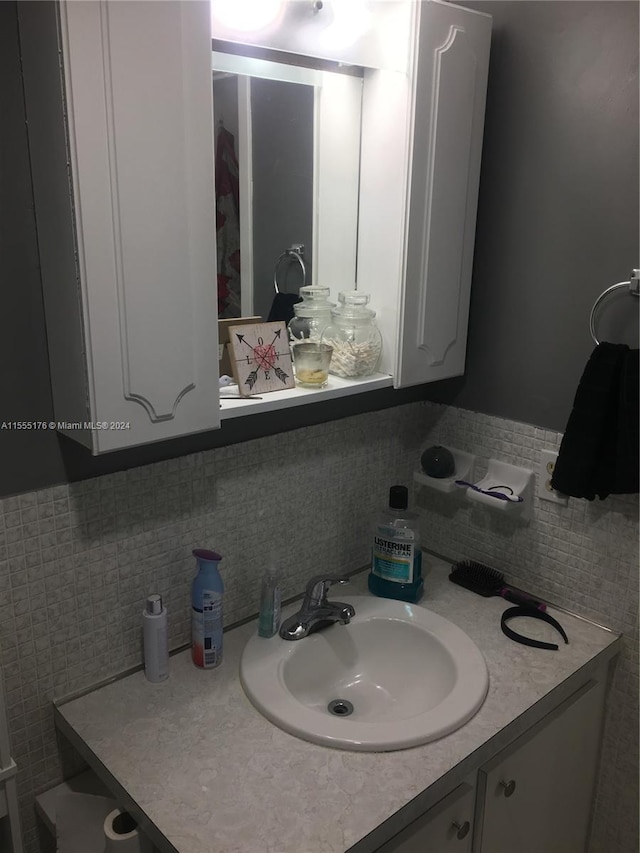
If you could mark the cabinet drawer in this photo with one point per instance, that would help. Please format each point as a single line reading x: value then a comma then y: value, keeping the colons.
x: 445, y: 827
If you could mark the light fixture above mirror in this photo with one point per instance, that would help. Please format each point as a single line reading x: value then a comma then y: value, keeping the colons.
x: 245, y: 16
x: 339, y: 23
x: 367, y: 33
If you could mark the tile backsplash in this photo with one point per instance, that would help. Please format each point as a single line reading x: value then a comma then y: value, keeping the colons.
x: 77, y: 561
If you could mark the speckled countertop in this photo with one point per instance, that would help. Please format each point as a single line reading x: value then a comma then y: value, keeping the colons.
x: 206, y: 773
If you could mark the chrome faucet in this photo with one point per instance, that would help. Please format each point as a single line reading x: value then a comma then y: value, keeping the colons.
x: 316, y: 611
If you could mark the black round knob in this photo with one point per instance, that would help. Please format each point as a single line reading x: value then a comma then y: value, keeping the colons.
x: 462, y: 829
x: 508, y: 787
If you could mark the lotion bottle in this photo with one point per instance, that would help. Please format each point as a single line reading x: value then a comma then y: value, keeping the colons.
x: 155, y: 639
x: 396, y: 565
x: 207, y: 591
x: 270, y: 599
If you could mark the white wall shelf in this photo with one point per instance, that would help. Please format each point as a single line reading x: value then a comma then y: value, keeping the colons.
x: 509, y: 480
x: 273, y: 401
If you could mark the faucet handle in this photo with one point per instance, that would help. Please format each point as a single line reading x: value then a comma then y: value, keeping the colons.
x: 318, y: 585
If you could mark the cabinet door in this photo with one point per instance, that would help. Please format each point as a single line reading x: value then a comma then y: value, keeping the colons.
x: 417, y: 215
x: 445, y: 827
x: 122, y: 153
x: 537, y: 793
x: 448, y: 122
x: 140, y: 107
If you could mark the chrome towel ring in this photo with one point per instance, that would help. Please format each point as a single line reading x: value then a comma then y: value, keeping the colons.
x: 633, y: 287
x: 295, y: 252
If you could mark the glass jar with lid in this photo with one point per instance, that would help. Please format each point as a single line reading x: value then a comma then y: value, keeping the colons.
x: 354, y: 336
x: 311, y: 315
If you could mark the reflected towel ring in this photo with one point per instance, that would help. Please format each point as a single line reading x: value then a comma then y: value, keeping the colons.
x: 633, y: 287
x: 295, y: 252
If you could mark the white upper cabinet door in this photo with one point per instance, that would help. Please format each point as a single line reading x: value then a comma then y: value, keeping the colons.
x: 448, y: 123
x: 132, y: 318
x: 420, y: 168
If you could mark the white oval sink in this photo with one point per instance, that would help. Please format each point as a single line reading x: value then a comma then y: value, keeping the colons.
x: 410, y: 675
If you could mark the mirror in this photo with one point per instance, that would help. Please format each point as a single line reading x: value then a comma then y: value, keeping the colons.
x: 287, y: 166
x: 277, y: 206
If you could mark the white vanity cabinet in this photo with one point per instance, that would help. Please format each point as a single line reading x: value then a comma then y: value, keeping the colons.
x: 534, y: 796
x: 119, y: 112
x: 541, y: 712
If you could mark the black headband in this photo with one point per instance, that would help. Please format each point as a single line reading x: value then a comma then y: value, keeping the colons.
x: 511, y: 612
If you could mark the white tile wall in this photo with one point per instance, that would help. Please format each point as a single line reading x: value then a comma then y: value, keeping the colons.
x: 77, y: 561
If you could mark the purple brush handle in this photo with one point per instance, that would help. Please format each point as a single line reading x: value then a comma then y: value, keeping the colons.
x: 521, y: 599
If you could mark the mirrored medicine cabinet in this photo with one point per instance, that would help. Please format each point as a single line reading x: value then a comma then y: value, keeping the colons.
x: 122, y: 146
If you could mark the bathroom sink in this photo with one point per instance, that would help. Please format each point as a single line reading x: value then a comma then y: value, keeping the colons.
x: 396, y: 676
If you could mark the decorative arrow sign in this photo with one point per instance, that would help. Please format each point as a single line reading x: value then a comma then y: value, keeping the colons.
x: 261, y: 358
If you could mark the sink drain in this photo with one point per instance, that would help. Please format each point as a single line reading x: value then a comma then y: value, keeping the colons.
x: 340, y: 707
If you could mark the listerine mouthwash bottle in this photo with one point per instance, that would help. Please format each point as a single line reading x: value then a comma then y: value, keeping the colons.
x: 396, y: 565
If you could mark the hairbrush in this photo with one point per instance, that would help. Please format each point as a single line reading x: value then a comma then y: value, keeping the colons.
x: 487, y: 582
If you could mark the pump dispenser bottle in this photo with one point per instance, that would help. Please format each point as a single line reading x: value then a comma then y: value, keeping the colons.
x: 396, y: 565
x: 207, y: 590
x: 155, y: 639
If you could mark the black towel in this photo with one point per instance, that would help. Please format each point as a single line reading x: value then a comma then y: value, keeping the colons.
x: 599, y: 451
x: 282, y: 307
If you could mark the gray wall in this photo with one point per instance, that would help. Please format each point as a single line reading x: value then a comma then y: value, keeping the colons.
x: 557, y: 223
x: 558, y: 209
x: 26, y: 458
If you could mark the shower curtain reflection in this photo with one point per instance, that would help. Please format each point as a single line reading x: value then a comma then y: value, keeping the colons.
x: 227, y: 224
